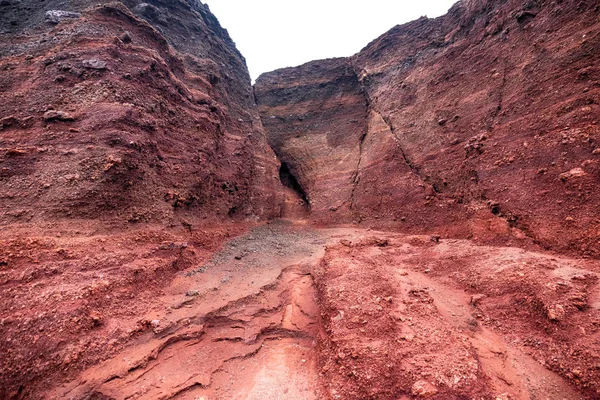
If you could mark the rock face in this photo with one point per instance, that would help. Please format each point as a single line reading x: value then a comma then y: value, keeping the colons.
x: 474, y: 120
x: 344, y: 155
x: 128, y: 112
x: 320, y: 124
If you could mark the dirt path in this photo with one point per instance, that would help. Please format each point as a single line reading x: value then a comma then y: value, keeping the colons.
x: 243, y: 325
x: 292, y: 312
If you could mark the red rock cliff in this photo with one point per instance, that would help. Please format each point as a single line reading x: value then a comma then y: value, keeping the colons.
x: 127, y: 111
x: 484, y: 119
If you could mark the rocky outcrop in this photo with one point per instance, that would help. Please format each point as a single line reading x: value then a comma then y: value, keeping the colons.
x: 319, y: 114
x: 344, y: 155
x: 128, y: 112
x: 484, y: 120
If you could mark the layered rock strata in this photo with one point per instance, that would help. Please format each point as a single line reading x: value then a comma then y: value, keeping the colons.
x: 128, y: 112
x: 484, y: 119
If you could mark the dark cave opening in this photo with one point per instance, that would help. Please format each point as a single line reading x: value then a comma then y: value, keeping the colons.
x: 289, y: 180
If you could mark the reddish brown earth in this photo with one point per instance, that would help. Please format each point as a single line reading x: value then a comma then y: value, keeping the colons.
x: 440, y: 237
x: 105, y: 117
x: 405, y: 315
x: 290, y: 311
x: 482, y: 123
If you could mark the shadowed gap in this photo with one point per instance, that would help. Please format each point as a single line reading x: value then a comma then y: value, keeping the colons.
x: 289, y: 180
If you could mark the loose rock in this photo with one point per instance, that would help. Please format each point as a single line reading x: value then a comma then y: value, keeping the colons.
x: 574, y: 173
x: 94, y: 63
x: 56, y: 16
x: 424, y: 389
x: 556, y: 313
x: 476, y: 298
x: 54, y: 115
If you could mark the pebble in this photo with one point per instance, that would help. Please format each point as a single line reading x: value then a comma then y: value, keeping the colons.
x: 422, y: 388
x: 408, y: 337
x: 556, y: 313
x: 56, y: 16
x: 54, y: 115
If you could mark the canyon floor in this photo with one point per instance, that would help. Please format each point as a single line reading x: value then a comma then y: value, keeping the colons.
x: 287, y: 310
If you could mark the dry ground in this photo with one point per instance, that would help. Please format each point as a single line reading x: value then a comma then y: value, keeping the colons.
x: 291, y: 311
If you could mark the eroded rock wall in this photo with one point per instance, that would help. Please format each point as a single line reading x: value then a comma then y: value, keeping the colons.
x: 128, y: 112
x: 319, y: 113
x: 484, y: 119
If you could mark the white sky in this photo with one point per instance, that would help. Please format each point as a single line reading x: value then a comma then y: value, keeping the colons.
x: 273, y: 34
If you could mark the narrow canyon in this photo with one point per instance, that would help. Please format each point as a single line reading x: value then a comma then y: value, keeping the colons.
x: 418, y: 220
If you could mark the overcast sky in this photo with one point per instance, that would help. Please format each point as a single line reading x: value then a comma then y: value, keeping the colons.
x: 273, y: 34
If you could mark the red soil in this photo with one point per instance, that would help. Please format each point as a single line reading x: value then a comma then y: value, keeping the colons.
x: 294, y: 311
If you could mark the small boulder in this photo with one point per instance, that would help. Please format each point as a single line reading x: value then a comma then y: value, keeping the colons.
x: 96, y: 318
x: 54, y: 115
x: 56, y: 16
x: 151, y: 12
x: 126, y: 37
x: 556, y: 313
x: 94, y: 63
x: 424, y: 389
x: 525, y: 16
x: 8, y: 121
x: 574, y: 173
x: 379, y: 242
